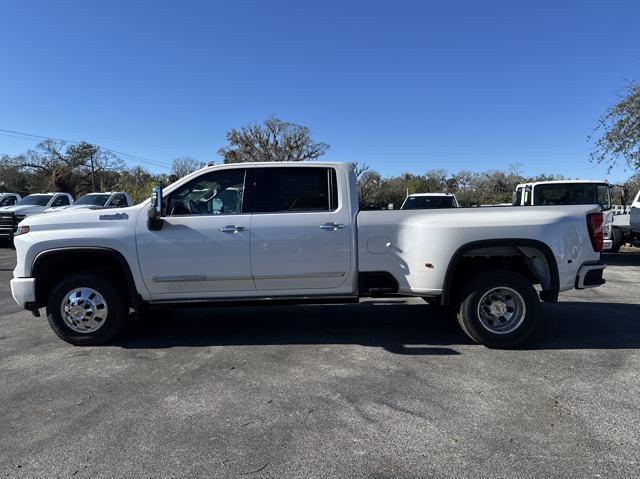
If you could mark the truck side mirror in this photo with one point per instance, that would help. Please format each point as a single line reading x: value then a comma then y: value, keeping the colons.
x: 154, y: 215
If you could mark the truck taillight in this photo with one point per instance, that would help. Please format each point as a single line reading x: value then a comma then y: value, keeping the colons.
x: 594, y: 225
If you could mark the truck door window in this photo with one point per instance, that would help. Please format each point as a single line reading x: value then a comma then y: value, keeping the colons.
x: 8, y: 200
x: 517, y: 199
x: 216, y: 193
x: 295, y: 190
x: 118, y: 201
x: 61, y: 200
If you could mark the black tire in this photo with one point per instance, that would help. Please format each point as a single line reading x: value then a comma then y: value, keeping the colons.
x: 525, y: 311
x: 115, y: 299
x: 617, y: 238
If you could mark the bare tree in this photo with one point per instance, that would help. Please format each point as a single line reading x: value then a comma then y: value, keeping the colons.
x: 184, y: 165
x: 276, y: 140
x: 359, y: 168
x: 76, y: 168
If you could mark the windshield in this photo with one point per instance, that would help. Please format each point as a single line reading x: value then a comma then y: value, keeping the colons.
x: 428, y: 202
x: 573, y: 194
x: 35, y: 200
x: 95, y: 200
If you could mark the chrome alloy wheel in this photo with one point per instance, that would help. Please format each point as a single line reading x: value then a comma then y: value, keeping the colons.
x: 501, y: 310
x: 84, y: 310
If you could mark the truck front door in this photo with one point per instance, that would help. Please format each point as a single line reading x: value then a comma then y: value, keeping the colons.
x: 203, y: 247
x: 301, y: 231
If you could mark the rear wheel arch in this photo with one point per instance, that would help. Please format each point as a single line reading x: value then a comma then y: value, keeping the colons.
x: 518, y: 250
x: 51, y: 265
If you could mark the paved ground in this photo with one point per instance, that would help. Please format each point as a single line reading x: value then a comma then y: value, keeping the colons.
x: 380, y: 389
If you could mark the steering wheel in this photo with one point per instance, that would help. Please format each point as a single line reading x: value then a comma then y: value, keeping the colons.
x: 194, y: 208
x: 180, y: 209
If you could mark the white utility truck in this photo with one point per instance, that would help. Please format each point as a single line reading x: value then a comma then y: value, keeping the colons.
x: 293, y: 233
x: 573, y: 192
x: 429, y: 201
x: 626, y: 225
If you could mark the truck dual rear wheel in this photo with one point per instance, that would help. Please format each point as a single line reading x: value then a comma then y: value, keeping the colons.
x: 86, y: 309
x: 498, y: 309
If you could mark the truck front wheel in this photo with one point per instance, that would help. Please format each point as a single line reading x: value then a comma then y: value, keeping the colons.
x: 86, y: 309
x: 498, y: 309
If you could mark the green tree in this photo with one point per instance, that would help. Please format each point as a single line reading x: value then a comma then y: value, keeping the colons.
x: 617, y: 135
x: 275, y: 140
x: 139, y: 182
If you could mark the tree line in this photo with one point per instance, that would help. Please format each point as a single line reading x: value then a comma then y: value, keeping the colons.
x: 83, y: 167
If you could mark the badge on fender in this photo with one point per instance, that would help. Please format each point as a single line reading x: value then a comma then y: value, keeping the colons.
x: 114, y: 217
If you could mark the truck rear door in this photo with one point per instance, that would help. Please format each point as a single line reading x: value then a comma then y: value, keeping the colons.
x: 301, y: 231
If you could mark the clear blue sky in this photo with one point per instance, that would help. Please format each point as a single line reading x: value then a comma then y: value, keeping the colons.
x: 402, y: 86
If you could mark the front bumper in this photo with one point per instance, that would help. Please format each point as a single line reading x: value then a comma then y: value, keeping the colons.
x: 23, y: 291
x: 7, y: 225
x: 590, y: 275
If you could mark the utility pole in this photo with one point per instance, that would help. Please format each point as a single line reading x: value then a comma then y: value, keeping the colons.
x: 93, y: 177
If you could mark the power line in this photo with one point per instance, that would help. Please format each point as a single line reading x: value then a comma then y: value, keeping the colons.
x: 31, y: 136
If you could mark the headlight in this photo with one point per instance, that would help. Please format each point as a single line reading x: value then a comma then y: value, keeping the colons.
x: 19, y: 218
x: 21, y: 230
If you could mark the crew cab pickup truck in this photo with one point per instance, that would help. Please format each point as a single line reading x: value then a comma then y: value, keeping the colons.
x: 275, y: 232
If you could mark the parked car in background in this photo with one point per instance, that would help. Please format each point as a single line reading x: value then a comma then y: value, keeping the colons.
x: 293, y: 232
x: 94, y: 201
x: 429, y: 201
x: 30, y: 205
x: 9, y: 199
x: 572, y: 192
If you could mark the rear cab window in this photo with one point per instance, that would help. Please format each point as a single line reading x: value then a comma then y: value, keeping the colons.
x: 295, y: 190
x: 61, y: 200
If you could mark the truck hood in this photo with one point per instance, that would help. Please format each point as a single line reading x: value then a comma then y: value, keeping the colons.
x: 82, y: 218
x: 23, y: 209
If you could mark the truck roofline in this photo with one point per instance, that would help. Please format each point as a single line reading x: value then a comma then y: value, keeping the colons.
x: 556, y: 182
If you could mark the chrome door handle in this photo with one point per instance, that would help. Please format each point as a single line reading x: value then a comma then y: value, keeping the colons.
x: 232, y: 229
x: 331, y: 226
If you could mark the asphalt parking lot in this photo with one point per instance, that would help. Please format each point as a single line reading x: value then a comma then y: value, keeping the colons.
x: 385, y: 388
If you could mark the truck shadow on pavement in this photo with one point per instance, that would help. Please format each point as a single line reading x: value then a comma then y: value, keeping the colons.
x: 398, y: 327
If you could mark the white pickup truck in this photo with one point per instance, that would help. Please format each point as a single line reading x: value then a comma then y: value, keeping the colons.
x: 292, y: 232
x: 30, y: 205
x: 574, y: 192
x: 95, y: 201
